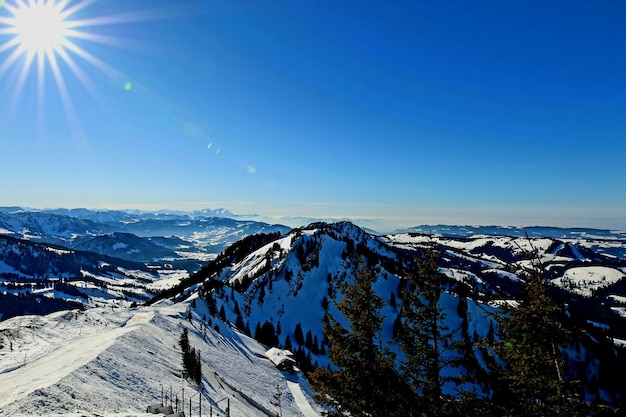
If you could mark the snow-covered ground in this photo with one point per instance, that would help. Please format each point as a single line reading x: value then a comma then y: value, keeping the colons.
x: 112, y: 361
x: 585, y: 280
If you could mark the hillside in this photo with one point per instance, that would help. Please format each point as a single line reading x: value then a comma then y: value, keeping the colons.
x: 280, y: 290
x: 55, y: 259
x: 39, y: 278
x: 116, y: 361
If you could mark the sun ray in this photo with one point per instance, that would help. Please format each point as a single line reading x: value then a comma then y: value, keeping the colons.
x: 10, y: 61
x: 171, y: 12
x: 21, y: 80
x: 41, y: 93
x: 102, y: 66
x: 66, y: 100
x: 78, y: 72
x: 9, y: 44
x: 19, y: 84
x: 40, y: 37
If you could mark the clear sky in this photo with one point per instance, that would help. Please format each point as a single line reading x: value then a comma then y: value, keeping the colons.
x: 415, y: 112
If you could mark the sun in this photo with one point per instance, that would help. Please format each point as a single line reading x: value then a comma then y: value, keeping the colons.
x: 45, y: 38
x: 53, y: 42
x: 40, y: 27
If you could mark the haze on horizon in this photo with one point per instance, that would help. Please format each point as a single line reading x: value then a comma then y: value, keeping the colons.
x: 407, y: 112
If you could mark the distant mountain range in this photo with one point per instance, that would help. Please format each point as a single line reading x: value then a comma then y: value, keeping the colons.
x: 90, y: 257
x: 531, y: 231
x: 157, y: 235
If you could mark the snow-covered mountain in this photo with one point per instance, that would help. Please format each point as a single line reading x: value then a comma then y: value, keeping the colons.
x: 280, y: 288
x: 46, y: 227
x: 195, y: 235
x: 125, y: 246
x: 39, y: 278
x: 96, y: 255
x: 31, y: 261
x: 107, y: 216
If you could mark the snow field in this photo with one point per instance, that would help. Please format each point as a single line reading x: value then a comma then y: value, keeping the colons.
x: 116, y: 366
x: 585, y: 280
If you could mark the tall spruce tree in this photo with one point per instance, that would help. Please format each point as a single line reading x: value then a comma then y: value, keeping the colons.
x: 531, y: 378
x: 362, y: 380
x: 428, y: 344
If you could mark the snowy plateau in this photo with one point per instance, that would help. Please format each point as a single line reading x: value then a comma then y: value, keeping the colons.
x: 113, y: 349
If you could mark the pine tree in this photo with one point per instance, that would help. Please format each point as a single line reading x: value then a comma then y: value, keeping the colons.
x: 276, y: 400
x: 362, y: 381
x: 288, y: 345
x: 428, y: 344
x: 533, y: 381
x: 197, y: 369
x: 298, y: 335
x: 183, y: 341
x: 266, y: 334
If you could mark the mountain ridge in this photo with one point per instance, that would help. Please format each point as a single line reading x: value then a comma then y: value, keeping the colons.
x: 281, y: 290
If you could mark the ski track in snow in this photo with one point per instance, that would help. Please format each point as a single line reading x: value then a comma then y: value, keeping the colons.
x: 51, y: 368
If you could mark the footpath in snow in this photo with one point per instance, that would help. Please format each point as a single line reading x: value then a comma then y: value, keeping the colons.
x: 300, y: 400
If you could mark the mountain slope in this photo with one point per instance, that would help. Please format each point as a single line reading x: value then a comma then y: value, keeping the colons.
x: 37, y: 278
x: 125, y: 246
x: 25, y: 259
x: 104, y: 362
x: 280, y: 289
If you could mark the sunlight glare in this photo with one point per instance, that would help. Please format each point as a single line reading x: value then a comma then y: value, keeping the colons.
x: 40, y: 26
x: 44, y: 41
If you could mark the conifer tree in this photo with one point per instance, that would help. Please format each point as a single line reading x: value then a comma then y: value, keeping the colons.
x: 183, y: 341
x: 533, y: 379
x: 428, y: 344
x: 298, y: 335
x: 192, y: 365
x: 197, y: 369
x: 362, y: 381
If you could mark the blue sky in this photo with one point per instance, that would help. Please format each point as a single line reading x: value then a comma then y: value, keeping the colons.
x: 413, y: 112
